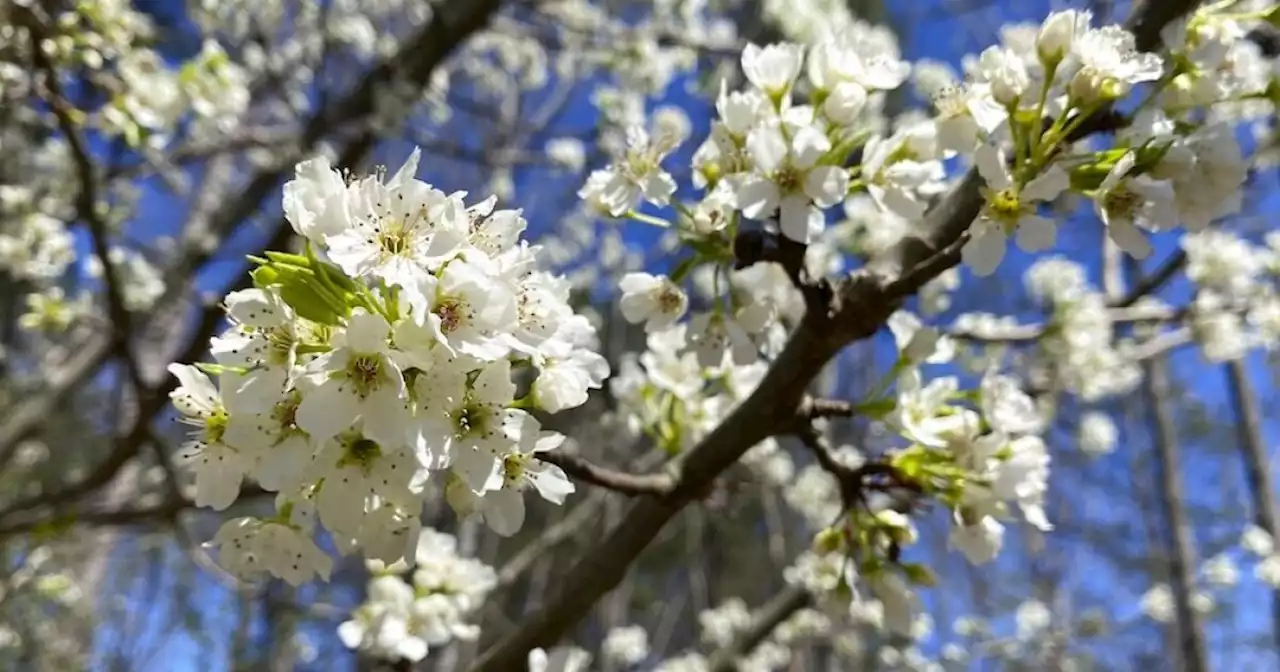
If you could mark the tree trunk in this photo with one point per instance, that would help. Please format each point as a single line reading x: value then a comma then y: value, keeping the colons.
x: 1180, y: 546
x: 1256, y: 470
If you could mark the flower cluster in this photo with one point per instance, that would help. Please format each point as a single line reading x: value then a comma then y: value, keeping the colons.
x: 1079, y: 347
x: 978, y: 460
x: 402, y: 619
x: 385, y: 357
x: 1237, y: 305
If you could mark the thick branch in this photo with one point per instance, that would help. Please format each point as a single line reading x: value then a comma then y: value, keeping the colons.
x: 1180, y: 542
x: 1257, y: 467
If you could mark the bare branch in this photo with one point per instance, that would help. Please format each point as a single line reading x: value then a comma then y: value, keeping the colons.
x: 774, y: 613
x: 1156, y: 280
x: 812, y: 408
x: 618, y: 481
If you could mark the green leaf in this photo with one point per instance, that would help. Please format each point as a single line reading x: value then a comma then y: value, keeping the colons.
x: 877, y: 408
x: 919, y: 574
x: 682, y: 270
x: 1089, y: 177
x: 302, y: 291
x: 286, y: 259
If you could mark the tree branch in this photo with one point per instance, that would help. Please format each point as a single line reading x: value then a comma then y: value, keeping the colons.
x: 86, y: 196
x: 774, y: 613
x: 1156, y: 280
x: 618, y: 481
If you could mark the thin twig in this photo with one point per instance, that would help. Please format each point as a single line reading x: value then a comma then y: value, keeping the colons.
x: 618, y: 481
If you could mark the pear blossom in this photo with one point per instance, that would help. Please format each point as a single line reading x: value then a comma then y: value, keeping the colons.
x: 845, y: 104
x: 380, y: 627
x: 248, y: 547
x: 466, y: 308
x: 1007, y: 408
x: 1010, y: 208
x: 1268, y: 571
x: 863, y: 58
x: 359, y: 379
x: 316, y: 200
x: 1098, y: 434
x: 636, y: 174
x: 789, y: 180
x: 503, y: 504
x: 353, y: 471
x: 896, y: 176
x: 1059, y: 32
x: 1257, y: 541
x: 1123, y: 202
x: 1220, y: 570
x: 924, y: 415
x: 652, y: 299
x: 918, y: 343
x: 1157, y: 603
x: 219, y: 467
x: 773, y: 68
x: 899, y: 603
x: 400, y: 229
x: 1109, y: 64
x: 561, y: 659
x: 263, y: 342
x: 279, y: 450
x: 626, y: 645
x: 1005, y: 73
x: 712, y: 336
x: 466, y: 426
x: 980, y: 541
x: 966, y: 112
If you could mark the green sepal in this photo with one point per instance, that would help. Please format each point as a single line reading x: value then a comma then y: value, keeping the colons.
x: 300, y: 288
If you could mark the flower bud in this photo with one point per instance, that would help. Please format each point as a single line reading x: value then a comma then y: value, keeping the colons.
x: 845, y: 103
x: 1058, y: 33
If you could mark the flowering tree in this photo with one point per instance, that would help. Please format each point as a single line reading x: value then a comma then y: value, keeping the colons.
x: 407, y: 382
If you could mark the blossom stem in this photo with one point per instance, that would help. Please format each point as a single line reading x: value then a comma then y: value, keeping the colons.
x: 648, y: 219
x: 1037, y: 135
